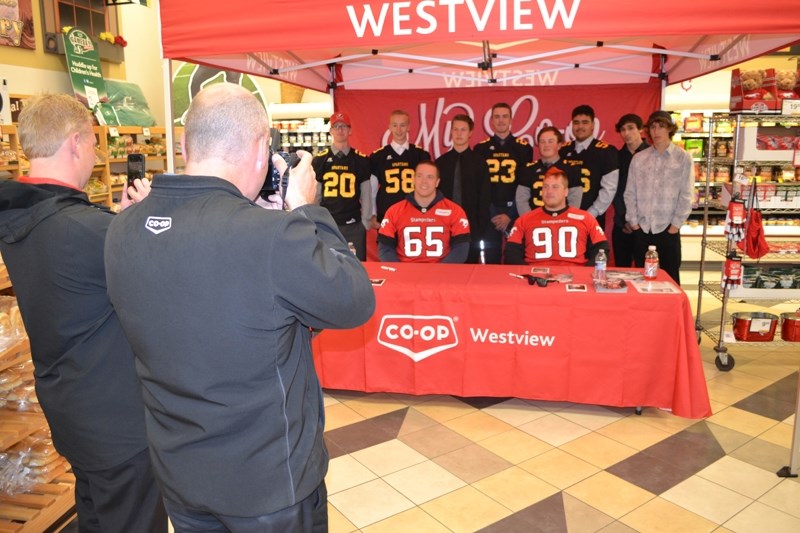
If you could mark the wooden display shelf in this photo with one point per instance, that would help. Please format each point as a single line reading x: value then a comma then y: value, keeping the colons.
x: 5, y: 282
x: 38, y: 509
x: 14, y: 355
x: 16, y: 425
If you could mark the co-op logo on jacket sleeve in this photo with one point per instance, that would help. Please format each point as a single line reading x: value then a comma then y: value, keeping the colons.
x: 417, y: 337
x: 158, y: 224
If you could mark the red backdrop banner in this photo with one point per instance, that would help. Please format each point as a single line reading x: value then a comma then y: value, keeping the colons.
x: 533, y: 108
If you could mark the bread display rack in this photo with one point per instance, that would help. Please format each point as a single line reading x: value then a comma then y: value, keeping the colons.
x: 784, y: 199
x: 47, y: 503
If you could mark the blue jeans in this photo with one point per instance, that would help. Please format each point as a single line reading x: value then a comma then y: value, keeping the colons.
x: 308, y: 516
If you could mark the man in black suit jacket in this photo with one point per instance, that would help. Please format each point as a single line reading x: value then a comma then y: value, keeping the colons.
x: 472, y: 192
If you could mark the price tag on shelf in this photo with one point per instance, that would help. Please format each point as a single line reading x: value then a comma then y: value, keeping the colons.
x: 113, y: 132
x: 790, y: 106
x: 146, y: 132
x: 728, y: 338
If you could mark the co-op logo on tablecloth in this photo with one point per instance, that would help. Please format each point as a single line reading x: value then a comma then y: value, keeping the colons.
x: 418, y: 337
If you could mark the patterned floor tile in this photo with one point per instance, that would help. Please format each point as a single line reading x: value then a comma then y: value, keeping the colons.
x: 650, y: 473
x: 515, y: 488
x: 546, y: 516
x: 435, y: 441
x: 465, y: 510
x: 707, y: 499
x: 424, y: 482
x: 690, y: 450
x: 660, y: 516
x: 758, y: 518
x: 609, y: 494
x: 472, y: 463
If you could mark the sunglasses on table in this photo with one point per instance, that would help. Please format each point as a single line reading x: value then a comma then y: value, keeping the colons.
x: 535, y: 280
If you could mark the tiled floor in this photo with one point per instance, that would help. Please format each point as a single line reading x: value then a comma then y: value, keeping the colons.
x: 443, y: 464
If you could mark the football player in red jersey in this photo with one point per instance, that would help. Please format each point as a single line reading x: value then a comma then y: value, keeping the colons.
x: 555, y: 234
x: 425, y: 227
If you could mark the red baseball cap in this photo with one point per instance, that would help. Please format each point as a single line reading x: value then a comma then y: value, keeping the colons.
x: 340, y: 117
x: 555, y: 171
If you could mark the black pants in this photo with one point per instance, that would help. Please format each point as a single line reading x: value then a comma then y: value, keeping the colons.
x: 356, y: 234
x: 623, y: 244
x: 308, y: 516
x: 667, y: 245
x: 122, y: 498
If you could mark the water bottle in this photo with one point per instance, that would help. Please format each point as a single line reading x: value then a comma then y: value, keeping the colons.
x: 651, y: 262
x: 600, y: 262
x: 352, y: 248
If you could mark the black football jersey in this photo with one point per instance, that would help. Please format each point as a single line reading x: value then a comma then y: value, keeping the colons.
x: 395, y: 173
x: 341, y: 177
x: 505, y: 162
x: 532, y: 175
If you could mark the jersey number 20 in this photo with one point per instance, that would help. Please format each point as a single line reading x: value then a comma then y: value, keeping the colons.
x: 342, y: 185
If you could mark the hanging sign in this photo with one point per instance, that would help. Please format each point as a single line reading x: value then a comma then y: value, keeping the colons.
x: 83, y: 64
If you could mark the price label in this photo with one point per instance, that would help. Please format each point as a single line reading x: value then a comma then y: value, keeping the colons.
x: 113, y: 132
x: 728, y: 337
x: 790, y: 106
x: 146, y: 132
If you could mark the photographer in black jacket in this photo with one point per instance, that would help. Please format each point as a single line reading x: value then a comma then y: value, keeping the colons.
x: 218, y: 297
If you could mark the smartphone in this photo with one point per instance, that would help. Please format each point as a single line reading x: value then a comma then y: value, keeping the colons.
x: 135, y: 168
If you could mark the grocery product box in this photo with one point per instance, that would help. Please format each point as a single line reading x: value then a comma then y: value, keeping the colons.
x: 754, y: 91
x: 759, y: 142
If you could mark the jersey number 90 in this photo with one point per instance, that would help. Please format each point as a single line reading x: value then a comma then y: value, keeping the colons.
x: 566, y: 242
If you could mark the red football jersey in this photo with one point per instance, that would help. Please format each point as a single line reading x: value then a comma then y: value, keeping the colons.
x: 423, y: 235
x: 558, y: 239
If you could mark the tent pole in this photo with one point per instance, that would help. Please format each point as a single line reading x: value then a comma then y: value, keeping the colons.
x: 166, y: 65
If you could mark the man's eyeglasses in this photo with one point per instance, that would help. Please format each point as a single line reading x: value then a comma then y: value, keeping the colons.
x: 340, y: 126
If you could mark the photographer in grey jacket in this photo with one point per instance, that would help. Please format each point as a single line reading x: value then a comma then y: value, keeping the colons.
x: 218, y: 298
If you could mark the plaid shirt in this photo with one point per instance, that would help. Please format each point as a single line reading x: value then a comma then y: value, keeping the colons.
x: 659, y: 189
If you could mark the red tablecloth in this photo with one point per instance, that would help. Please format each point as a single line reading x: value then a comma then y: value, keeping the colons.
x: 473, y: 330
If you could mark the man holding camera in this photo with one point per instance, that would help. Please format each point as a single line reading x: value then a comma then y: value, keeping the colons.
x: 218, y: 298
x: 343, y: 184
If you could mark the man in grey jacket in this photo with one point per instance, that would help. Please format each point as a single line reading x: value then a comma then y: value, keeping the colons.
x: 218, y: 298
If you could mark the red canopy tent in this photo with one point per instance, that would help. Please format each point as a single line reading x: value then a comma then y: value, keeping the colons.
x: 512, y: 47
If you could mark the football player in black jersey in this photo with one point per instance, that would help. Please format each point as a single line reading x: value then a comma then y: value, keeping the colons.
x: 343, y: 184
x: 393, y: 166
x: 529, y: 187
x: 506, y: 156
x: 598, y: 162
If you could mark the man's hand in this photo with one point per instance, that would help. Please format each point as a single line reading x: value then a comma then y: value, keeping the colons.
x: 673, y: 229
x: 302, y: 186
x: 137, y: 193
x: 373, y: 222
x: 501, y: 221
x: 627, y: 228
